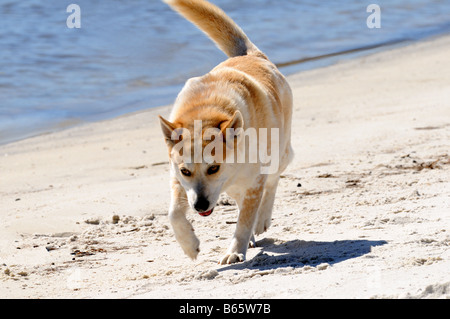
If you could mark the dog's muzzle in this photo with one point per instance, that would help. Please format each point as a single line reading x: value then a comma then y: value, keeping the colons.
x: 201, y: 205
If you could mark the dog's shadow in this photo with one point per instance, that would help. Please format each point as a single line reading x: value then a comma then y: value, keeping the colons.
x: 299, y: 253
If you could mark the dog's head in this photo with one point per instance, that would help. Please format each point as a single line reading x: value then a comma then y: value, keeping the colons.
x: 199, y: 153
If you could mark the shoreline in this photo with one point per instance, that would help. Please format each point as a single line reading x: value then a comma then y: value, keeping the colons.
x: 296, y: 66
x: 361, y: 212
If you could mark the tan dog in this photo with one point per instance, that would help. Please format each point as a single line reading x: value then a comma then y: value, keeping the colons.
x: 247, y: 95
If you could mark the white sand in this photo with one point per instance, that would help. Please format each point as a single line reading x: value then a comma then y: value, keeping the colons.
x: 371, y: 218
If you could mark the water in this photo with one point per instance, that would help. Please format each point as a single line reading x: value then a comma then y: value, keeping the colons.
x: 134, y: 55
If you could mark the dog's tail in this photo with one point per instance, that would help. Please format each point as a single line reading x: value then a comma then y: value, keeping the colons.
x: 227, y: 35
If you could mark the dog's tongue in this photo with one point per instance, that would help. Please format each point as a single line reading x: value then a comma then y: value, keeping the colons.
x: 209, y: 212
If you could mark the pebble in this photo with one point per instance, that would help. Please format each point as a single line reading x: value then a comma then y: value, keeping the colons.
x: 92, y: 221
x: 322, y: 266
x: 115, y: 219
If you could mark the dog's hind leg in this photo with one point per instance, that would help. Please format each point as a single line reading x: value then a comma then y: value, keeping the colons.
x: 264, y: 218
x: 184, y: 233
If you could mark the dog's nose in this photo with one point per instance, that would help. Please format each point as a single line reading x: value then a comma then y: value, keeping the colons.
x: 202, y: 204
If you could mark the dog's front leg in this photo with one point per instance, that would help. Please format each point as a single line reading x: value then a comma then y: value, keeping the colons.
x: 248, y: 210
x: 184, y: 233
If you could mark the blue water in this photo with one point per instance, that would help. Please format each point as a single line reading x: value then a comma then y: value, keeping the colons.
x: 134, y: 55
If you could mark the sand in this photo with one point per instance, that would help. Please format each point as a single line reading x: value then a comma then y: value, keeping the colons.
x: 363, y: 211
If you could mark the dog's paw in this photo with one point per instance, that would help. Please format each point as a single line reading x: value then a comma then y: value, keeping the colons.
x: 252, y: 242
x: 192, y: 248
x: 231, y: 258
x: 262, y: 226
x: 192, y: 253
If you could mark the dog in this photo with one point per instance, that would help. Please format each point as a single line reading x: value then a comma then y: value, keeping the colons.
x: 245, y: 92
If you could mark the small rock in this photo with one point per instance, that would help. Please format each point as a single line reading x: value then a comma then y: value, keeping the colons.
x: 207, y: 275
x: 115, y: 219
x: 149, y: 217
x: 322, y: 266
x: 93, y: 221
x: 225, y: 201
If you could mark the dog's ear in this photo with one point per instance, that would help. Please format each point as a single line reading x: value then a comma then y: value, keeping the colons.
x: 232, y: 130
x: 235, y: 123
x: 167, y: 129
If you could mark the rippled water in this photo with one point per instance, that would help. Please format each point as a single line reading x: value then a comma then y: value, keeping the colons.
x: 132, y: 55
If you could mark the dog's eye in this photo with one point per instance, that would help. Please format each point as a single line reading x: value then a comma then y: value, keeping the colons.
x: 185, y: 172
x: 213, y: 169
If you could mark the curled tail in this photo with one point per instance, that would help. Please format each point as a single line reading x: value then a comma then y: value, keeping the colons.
x: 227, y: 35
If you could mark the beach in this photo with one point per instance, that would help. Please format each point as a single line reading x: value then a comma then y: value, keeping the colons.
x: 363, y: 211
